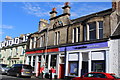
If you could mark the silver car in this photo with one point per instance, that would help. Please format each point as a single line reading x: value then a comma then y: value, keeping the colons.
x: 4, y: 68
x: 20, y: 70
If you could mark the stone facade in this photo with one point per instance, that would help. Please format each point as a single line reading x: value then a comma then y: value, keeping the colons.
x: 64, y: 32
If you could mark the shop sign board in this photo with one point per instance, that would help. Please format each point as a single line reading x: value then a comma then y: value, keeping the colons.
x: 84, y: 46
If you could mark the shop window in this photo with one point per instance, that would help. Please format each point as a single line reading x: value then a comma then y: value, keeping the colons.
x: 29, y: 57
x: 39, y: 58
x: 34, y: 62
x: 73, y: 68
x: 46, y: 62
x: 98, y: 66
x: 53, y: 61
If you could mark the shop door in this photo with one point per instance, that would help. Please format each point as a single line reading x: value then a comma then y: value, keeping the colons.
x: 98, y: 66
x: 84, y: 67
x: 61, y: 71
x: 38, y: 69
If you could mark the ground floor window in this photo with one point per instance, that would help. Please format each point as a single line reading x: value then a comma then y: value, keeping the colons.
x: 53, y: 61
x: 46, y: 60
x: 34, y: 62
x: 29, y: 57
x: 73, y: 68
x: 98, y: 66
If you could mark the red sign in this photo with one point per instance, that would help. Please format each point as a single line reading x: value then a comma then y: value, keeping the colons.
x: 43, y: 51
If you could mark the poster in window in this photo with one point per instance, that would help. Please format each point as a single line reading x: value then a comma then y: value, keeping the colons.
x: 73, y: 68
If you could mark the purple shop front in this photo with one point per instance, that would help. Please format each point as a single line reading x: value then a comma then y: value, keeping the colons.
x: 85, y: 46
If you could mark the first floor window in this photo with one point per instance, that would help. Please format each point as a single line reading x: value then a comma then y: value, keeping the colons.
x: 76, y: 34
x: 92, y: 30
x: 100, y: 29
x: 85, y: 33
x: 57, y: 38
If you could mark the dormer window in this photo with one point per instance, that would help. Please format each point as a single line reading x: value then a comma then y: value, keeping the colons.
x: 5, y: 43
x: 16, y: 40
x: 10, y: 42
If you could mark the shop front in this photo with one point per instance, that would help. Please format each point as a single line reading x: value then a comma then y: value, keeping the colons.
x: 44, y: 60
x: 81, y: 59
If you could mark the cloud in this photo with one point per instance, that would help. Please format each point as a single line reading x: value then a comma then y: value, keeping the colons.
x: 34, y: 9
x: 86, y: 8
x: 42, y: 9
x: 6, y: 27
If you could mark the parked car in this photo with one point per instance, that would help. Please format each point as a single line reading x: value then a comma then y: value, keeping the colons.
x: 20, y: 70
x: 98, y: 76
x: 4, y: 68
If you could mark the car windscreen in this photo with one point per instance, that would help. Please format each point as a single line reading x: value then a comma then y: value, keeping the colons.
x: 27, y: 67
x: 116, y: 77
x: 3, y: 65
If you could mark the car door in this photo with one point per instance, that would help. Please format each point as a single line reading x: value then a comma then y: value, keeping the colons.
x: 11, y: 71
x: 88, y: 76
x: 102, y: 79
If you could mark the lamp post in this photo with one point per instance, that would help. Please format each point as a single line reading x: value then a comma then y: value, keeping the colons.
x: 46, y: 44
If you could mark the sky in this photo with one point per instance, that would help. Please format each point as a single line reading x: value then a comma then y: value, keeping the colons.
x: 23, y: 17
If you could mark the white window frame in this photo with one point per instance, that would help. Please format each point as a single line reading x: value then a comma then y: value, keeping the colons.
x: 97, y: 30
x: 77, y: 35
x: 57, y: 38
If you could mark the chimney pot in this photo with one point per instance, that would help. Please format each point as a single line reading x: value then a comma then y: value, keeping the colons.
x: 67, y: 3
x: 53, y: 9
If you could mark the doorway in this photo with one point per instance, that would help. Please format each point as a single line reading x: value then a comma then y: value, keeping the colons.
x: 61, y: 71
x: 85, y: 65
x: 84, y: 69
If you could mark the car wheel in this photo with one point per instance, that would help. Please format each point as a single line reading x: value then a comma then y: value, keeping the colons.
x: 29, y: 76
x: 18, y: 75
x: 8, y: 74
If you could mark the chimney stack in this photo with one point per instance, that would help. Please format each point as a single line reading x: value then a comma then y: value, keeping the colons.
x: 53, y: 13
x: 66, y: 8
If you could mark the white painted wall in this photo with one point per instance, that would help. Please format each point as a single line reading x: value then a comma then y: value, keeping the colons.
x: 113, y: 56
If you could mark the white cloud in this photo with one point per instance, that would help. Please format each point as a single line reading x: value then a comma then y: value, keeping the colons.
x: 34, y: 9
x: 86, y: 9
x: 6, y: 27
